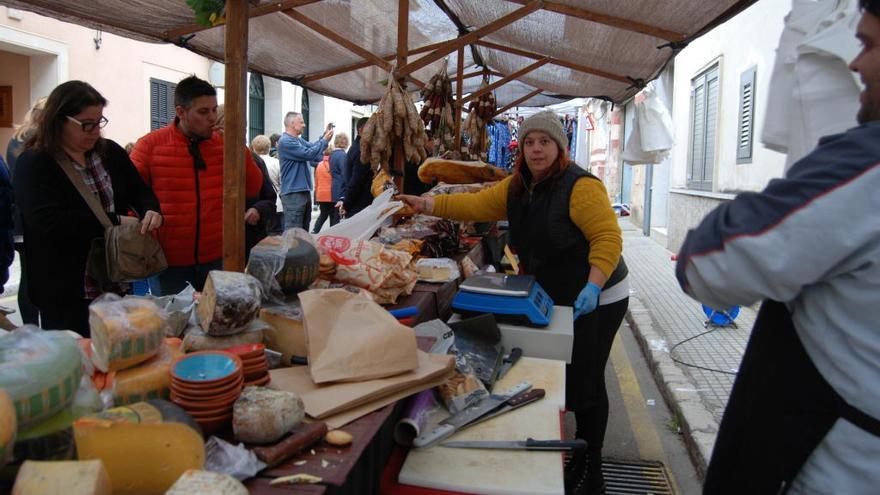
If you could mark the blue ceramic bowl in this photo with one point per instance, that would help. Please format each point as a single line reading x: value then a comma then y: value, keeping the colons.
x: 206, y: 367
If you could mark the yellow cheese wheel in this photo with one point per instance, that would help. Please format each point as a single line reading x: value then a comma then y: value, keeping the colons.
x: 62, y: 478
x: 7, y: 427
x: 148, y: 380
x: 125, y: 332
x: 145, y: 446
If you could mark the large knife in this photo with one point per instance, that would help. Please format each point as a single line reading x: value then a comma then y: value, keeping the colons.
x: 520, y: 400
x: 528, y: 444
x: 467, y: 415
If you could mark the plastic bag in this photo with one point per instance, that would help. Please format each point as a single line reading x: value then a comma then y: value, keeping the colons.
x: 179, y: 308
x: 284, y: 264
x: 125, y: 332
x: 363, y: 225
x: 437, y: 270
x: 40, y: 370
x: 234, y: 460
x: 370, y: 265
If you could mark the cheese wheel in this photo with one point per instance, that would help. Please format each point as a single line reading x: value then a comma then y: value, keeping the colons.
x: 145, y: 446
x: 8, y: 427
x: 262, y: 415
x: 206, y: 483
x: 62, y: 478
x: 148, y: 380
x: 230, y: 300
x: 458, y: 172
x: 125, y: 332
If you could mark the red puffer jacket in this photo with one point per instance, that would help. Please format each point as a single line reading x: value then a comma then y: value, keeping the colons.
x: 191, y: 199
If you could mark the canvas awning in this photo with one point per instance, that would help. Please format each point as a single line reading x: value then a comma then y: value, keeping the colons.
x: 344, y: 48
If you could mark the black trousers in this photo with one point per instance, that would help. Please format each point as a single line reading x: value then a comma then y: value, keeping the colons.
x: 326, y: 213
x: 585, y: 391
x: 779, y: 410
x: 29, y: 312
x: 66, y: 315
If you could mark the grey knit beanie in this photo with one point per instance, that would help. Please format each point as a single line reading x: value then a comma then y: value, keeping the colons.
x: 548, y: 123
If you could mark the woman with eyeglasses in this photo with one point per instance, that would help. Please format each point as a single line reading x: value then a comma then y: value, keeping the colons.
x: 57, y: 222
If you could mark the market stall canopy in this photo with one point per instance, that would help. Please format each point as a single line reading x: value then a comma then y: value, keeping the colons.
x: 541, y: 52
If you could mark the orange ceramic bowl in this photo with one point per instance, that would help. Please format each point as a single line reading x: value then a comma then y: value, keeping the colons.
x: 247, y: 351
x: 195, y: 391
x: 259, y: 382
x: 203, y: 405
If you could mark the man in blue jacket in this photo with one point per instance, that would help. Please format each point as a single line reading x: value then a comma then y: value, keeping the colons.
x: 296, y: 155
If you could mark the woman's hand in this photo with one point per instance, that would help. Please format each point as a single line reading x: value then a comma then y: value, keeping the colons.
x: 152, y: 221
x: 252, y: 216
x: 418, y: 204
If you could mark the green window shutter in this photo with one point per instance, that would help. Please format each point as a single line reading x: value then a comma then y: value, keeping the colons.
x: 746, y: 122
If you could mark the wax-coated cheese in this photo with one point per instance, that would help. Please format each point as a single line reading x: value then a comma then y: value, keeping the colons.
x: 62, y: 478
x: 145, y: 446
x: 8, y: 426
x: 125, y: 332
x: 199, y: 482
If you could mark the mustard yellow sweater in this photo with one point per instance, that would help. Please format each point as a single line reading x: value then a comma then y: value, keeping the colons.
x: 589, y: 209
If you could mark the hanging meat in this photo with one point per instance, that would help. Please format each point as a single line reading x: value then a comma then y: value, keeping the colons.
x: 437, y: 113
x: 394, y: 129
x: 480, y: 114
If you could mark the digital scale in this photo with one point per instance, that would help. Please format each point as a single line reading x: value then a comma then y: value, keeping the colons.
x: 511, y: 298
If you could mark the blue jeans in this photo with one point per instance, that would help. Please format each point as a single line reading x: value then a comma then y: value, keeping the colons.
x: 297, y: 209
x: 174, y: 278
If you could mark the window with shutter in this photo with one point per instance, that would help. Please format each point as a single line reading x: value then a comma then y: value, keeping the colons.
x: 161, y: 103
x: 746, y: 122
x: 704, y: 122
x: 256, y: 107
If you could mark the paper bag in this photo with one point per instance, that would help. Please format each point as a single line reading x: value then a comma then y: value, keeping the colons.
x: 351, y: 338
x: 321, y: 401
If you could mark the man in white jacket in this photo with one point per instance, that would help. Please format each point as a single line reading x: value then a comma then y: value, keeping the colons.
x: 803, y: 414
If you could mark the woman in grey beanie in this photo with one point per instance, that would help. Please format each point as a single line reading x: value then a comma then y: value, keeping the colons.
x: 565, y: 233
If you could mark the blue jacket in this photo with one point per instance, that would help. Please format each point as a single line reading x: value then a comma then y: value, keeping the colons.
x: 296, y: 155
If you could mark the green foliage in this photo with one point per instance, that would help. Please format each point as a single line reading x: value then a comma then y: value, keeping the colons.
x: 208, y: 12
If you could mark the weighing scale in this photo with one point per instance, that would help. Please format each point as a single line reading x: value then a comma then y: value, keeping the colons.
x: 511, y: 298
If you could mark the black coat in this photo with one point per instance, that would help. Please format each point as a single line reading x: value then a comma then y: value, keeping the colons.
x: 357, y: 189
x: 338, y: 159
x: 60, y: 226
x: 265, y: 204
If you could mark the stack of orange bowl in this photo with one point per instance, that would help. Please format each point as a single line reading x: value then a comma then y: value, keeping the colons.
x: 253, y: 358
x: 206, y: 384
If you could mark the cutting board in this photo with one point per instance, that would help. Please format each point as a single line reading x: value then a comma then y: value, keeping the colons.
x: 548, y: 374
x: 481, y: 471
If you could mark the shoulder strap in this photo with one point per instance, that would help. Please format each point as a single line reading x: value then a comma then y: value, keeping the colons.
x: 76, y: 179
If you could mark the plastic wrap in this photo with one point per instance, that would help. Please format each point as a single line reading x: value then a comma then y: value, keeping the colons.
x: 40, y: 370
x: 8, y: 427
x: 178, y: 308
x: 437, y: 270
x: 415, y: 417
x: 125, y: 332
x: 234, y: 460
x: 197, y: 340
x: 284, y: 264
x: 229, y: 302
x: 364, y: 224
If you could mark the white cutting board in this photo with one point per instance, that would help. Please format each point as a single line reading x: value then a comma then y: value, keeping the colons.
x: 481, y: 471
x: 548, y: 374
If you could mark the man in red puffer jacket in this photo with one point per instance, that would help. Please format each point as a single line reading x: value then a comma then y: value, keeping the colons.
x: 183, y: 163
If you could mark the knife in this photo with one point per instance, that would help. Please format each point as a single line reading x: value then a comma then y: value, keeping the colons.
x: 457, y: 421
x: 509, y: 361
x: 520, y: 400
x: 528, y: 444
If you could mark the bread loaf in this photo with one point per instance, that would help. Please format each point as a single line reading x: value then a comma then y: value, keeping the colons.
x: 458, y: 172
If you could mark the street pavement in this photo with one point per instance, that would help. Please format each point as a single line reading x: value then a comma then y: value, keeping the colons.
x: 661, y: 316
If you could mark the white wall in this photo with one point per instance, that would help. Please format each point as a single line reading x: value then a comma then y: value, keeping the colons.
x: 747, y: 40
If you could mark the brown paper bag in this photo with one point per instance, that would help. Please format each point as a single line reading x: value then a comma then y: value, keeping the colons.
x: 351, y: 338
x: 321, y: 401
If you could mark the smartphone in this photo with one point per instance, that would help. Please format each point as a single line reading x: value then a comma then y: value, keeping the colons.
x: 331, y: 125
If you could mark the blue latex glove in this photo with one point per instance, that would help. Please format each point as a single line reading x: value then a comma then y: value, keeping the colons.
x: 587, y: 300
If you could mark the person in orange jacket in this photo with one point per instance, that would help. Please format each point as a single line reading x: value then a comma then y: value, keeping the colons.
x: 183, y: 163
x: 323, y: 191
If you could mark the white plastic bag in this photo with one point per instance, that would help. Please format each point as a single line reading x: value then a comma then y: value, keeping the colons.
x: 362, y: 226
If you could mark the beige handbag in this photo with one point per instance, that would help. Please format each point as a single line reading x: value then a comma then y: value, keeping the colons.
x: 123, y: 254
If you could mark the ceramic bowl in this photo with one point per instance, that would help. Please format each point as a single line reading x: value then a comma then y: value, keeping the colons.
x: 259, y: 382
x: 247, y: 351
x: 203, y: 404
x: 210, y: 413
x: 255, y: 375
x: 211, y: 425
x: 255, y: 361
x: 206, y: 368
x: 185, y: 388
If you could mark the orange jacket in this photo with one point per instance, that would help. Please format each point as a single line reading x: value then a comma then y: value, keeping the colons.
x: 191, y: 199
x: 323, y: 182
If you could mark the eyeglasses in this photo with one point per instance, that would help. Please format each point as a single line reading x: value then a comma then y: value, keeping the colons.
x: 90, y: 126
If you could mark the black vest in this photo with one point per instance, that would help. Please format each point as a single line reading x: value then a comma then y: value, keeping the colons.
x: 550, y: 246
